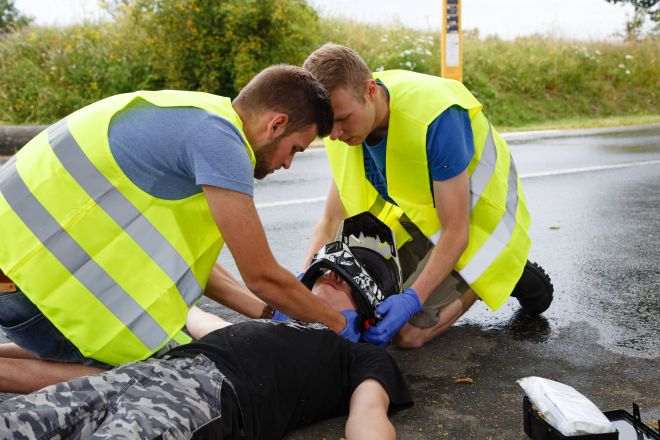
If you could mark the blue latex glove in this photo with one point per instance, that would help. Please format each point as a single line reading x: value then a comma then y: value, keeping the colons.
x: 300, y: 275
x: 351, y: 331
x: 395, y: 311
x: 279, y: 316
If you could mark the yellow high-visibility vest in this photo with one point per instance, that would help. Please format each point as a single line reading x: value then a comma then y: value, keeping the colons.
x: 499, y: 242
x: 113, y: 268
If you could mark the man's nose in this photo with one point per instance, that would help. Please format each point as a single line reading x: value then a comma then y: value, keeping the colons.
x: 336, y: 132
x: 334, y: 277
x: 287, y: 162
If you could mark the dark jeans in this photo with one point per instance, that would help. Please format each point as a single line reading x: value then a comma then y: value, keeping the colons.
x: 25, y: 325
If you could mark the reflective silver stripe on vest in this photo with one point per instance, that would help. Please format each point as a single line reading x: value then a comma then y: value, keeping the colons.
x: 123, y: 212
x: 77, y: 261
x: 500, y: 237
x: 480, y: 176
x: 484, y: 170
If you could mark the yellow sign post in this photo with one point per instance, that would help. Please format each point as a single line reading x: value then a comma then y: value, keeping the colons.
x: 451, y: 40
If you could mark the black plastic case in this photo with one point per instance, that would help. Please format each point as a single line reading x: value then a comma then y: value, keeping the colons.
x: 629, y: 427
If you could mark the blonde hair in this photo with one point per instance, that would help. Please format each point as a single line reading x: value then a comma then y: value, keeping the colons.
x: 337, y: 66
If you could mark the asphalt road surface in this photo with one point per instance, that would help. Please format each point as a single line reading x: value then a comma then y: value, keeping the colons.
x: 594, y: 196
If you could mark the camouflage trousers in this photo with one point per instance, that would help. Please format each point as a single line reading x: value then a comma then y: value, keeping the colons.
x: 156, y: 398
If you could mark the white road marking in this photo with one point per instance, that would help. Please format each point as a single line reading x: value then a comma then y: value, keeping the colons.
x: 522, y: 176
x: 589, y: 169
x: 290, y: 202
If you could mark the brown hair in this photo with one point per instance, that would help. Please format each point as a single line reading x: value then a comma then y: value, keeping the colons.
x: 290, y: 90
x: 336, y: 66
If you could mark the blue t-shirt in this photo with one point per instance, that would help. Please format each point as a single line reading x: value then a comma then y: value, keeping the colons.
x: 169, y: 152
x: 449, y: 149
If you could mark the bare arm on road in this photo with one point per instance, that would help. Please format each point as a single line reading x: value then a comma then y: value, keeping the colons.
x: 367, y: 418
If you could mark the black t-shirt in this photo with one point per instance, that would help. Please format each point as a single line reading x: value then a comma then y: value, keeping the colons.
x: 291, y: 374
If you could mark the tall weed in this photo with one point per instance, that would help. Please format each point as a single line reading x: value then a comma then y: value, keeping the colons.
x: 385, y: 47
x: 541, y: 78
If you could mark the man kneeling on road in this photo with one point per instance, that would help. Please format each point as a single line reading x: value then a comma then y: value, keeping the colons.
x: 255, y: 380
x: 417, y: 151
x: 113, y: 219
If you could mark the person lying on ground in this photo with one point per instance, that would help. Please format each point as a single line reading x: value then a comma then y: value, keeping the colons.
x: 366, y: 295
x: 256, y: 380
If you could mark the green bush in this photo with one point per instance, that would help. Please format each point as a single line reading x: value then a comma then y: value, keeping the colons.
x: 48, y: 72
x: 218, y: 46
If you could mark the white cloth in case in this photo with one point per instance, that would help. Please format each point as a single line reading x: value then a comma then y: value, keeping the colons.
x: 564, y: 408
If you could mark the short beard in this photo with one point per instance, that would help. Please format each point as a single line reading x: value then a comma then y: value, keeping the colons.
x: 263, y: 158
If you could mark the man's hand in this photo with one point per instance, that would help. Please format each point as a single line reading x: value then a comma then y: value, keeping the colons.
x: 396, y: 311
x: 351, y: 331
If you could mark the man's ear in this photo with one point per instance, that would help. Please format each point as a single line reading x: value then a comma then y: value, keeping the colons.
x: 370, y: 88
x: 277, y: 125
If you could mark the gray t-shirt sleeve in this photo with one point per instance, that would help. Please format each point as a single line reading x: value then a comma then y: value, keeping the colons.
x: 170, y: 152
x: 214, y: 153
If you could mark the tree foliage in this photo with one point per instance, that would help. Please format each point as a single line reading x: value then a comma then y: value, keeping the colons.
x: 645, y: 7
x: 10, y: 17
